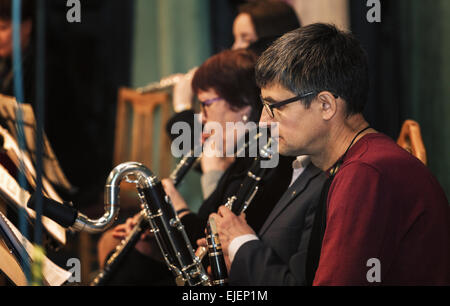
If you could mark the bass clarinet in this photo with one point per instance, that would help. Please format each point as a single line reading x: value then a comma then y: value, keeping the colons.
x: 237, y: 204
x: 164, y: 222
x: 126, y: 245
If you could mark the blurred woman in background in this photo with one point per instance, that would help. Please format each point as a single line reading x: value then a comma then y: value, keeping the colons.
x: 261, y: 22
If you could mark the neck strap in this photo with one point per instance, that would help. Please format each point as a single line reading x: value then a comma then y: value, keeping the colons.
x: 338, y: 164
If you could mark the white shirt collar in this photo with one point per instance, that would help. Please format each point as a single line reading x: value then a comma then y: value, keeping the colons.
x: 301, y: 162
x: 299, y: 165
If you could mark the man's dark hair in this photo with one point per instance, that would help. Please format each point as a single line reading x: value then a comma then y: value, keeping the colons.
x: 315, y: 58
x: 28, y: 9
x: 271, y: 18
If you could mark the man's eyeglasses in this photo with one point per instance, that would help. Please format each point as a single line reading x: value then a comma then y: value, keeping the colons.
x: 269, y: 107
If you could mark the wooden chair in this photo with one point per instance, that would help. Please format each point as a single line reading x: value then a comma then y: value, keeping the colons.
x: 411, y: 140
x: 137, y: 123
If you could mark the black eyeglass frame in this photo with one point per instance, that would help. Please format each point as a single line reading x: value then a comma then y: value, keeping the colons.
x: 269, y: 107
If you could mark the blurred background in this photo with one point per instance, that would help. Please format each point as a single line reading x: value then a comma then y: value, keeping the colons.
x: 135, y: 42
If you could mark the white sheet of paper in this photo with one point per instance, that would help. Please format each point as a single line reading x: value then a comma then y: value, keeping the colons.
x: 10, y: 188
x: 53, y: 274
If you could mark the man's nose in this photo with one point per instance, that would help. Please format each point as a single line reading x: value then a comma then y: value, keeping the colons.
x: 265, y: 118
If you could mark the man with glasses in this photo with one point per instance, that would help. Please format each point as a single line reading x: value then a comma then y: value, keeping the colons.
x: 382, y: 219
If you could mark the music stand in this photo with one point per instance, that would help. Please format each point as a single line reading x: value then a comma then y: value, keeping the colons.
x: 51, y: 167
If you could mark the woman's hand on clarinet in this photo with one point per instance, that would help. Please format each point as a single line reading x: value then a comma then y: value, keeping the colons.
x: 121, y: 231
x: 146, y: 245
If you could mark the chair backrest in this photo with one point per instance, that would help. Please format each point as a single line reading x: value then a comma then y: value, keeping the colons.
x: 411, y: 140
x: 139, y: 118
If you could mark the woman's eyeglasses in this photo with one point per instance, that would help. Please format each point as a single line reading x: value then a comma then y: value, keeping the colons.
x: 209, y: 102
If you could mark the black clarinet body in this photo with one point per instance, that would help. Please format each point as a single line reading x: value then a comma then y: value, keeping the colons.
x: 124, y: 248
x: 171, y: 237
x: 215, y: 254
x: 121, y: 251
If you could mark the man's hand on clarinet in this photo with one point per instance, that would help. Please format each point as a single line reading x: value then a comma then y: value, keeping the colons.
x: 229, y: 227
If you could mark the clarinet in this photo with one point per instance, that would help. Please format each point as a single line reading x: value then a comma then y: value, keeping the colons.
x: 164, y: 222
x: 183, y: 167
x: 121, y: 251
x: 126, y: 245
x: 237, y: 204
x: 172, y: 238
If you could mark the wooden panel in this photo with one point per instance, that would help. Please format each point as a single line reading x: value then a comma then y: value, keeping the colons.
x: 85, y: 244
x: 165, y: 155
x: 411, y: 140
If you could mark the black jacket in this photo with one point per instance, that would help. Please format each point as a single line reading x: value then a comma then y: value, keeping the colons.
x: 279, y: 257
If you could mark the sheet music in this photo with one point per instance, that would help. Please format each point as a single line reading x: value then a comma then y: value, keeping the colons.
x: 51, y: 167
x: 16, y: 155
x: 10, y: 189
x: 52, y: 273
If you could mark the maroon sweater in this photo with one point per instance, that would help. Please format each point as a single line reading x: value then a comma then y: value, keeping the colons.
x: 385, y: 204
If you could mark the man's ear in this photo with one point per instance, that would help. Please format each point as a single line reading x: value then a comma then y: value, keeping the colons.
x: 328, y: 105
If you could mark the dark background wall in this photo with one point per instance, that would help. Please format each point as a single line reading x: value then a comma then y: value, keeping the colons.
x: 410, y: 72
x: 87, y: 63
